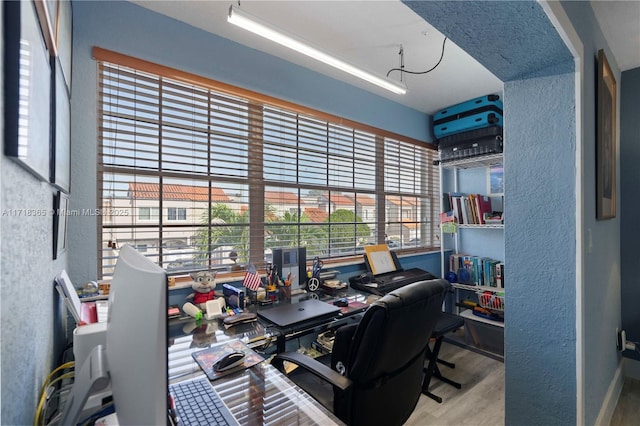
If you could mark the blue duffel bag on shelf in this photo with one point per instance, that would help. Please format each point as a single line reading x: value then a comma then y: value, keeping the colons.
x: 476, y: 113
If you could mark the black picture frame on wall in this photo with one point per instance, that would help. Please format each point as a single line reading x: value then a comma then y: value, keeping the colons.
x: 27, y: 89
x: 61, y: 131
x: 60, y: 214
x: 606, y: 128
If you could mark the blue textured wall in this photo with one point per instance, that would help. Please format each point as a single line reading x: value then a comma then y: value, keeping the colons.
x: 33, y: 336
x: 512, y: 39
x: 601, y: 297
x: 540, y: 339
x: 630, y: 203
x: 516, y: 41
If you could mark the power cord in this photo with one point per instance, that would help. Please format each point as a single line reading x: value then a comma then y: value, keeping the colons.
x: 47, y: 389
x: 402, y: 70
x: 632, y: 346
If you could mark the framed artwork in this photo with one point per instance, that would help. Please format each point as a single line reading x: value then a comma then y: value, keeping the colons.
x: 63, y: 38
x: 605, y: 140
x: 27, y: 99
x: 60, y: 214
x: 61, y: 135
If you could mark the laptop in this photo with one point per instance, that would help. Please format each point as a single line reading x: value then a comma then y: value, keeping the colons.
x: 288, y: 314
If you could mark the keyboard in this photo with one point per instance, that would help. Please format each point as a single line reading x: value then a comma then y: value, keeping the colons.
x: 394, y: 280
x: 197, y: 403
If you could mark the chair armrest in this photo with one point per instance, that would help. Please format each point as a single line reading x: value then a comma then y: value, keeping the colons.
x: 342, y: 345
x: 315, y: 367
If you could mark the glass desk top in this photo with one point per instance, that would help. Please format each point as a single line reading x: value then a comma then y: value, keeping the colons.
x: 259, y: 394
x: 261, y: 334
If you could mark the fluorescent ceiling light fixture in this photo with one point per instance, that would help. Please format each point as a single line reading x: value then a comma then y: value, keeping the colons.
x: 257, y: 26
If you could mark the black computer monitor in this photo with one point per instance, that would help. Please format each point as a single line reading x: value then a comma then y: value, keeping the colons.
x: 133, y: 359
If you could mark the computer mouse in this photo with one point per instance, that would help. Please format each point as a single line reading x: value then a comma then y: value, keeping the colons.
x: 341, y: 302
x: 228, y: 361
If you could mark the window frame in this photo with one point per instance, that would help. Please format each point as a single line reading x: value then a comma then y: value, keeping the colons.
x: 257, y: 102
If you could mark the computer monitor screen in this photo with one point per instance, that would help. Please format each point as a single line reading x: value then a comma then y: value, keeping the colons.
x: 136, y: 341
x: 133, y: 357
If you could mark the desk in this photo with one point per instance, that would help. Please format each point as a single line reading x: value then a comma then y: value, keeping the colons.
x: 261, y: 334
x: 260, y: 394
x: 255, y: 396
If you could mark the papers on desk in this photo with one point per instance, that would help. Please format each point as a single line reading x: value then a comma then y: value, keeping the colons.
x: 82, y: 312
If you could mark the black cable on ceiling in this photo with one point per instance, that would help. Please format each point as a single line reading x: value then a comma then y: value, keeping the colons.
x: 402, y: 70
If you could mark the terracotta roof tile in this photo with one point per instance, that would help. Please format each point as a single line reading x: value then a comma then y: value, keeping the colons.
x: 316, y: 215
x: 363, y: 200
x: 151, y: 191
x: 281, y: 197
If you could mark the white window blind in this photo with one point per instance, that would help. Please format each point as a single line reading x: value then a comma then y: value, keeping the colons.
x: 198, y: 175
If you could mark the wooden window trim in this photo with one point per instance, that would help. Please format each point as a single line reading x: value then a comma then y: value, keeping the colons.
x: 105, y: 55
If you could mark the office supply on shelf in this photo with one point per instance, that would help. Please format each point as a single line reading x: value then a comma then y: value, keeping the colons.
x: 197, y: 403
x: 293, y: 313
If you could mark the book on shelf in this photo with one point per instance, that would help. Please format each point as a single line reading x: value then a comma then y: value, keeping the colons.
x: 476, y: 270
x: 465, y: 209
x: 446, y: 202
x: 468, y: 209
x: 500, y: 275
x: 483, y: 205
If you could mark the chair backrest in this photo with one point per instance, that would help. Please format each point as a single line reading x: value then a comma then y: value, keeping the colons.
x: 387, y: 355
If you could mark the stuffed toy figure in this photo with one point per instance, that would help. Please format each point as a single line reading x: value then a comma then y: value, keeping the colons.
x: 203, y: 286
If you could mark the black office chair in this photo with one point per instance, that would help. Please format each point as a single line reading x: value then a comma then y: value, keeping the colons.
x: 381, y: 358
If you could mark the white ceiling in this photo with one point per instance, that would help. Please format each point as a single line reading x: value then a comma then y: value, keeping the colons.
x: 620, y: 24
x: 370, y: 37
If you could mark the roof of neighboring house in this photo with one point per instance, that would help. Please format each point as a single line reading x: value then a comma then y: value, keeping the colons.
x: 363, y: 200
x: 411, y: 225
x: 281, y: 197
x: 341, y: 200
x: 174, y: 192
x: 405, y: 201
x: 316, y: 215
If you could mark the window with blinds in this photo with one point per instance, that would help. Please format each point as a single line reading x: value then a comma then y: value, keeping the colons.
x: 203, y: 178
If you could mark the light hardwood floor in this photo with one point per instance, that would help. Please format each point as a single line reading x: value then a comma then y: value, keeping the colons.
x: 480, y: 402
x: 627, y: 412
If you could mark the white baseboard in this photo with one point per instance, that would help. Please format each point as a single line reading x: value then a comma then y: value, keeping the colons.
x: 611, y: 398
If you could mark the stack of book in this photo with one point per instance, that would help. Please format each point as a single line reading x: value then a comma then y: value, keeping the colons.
x: 476, y: 270
x: 468, y: 209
